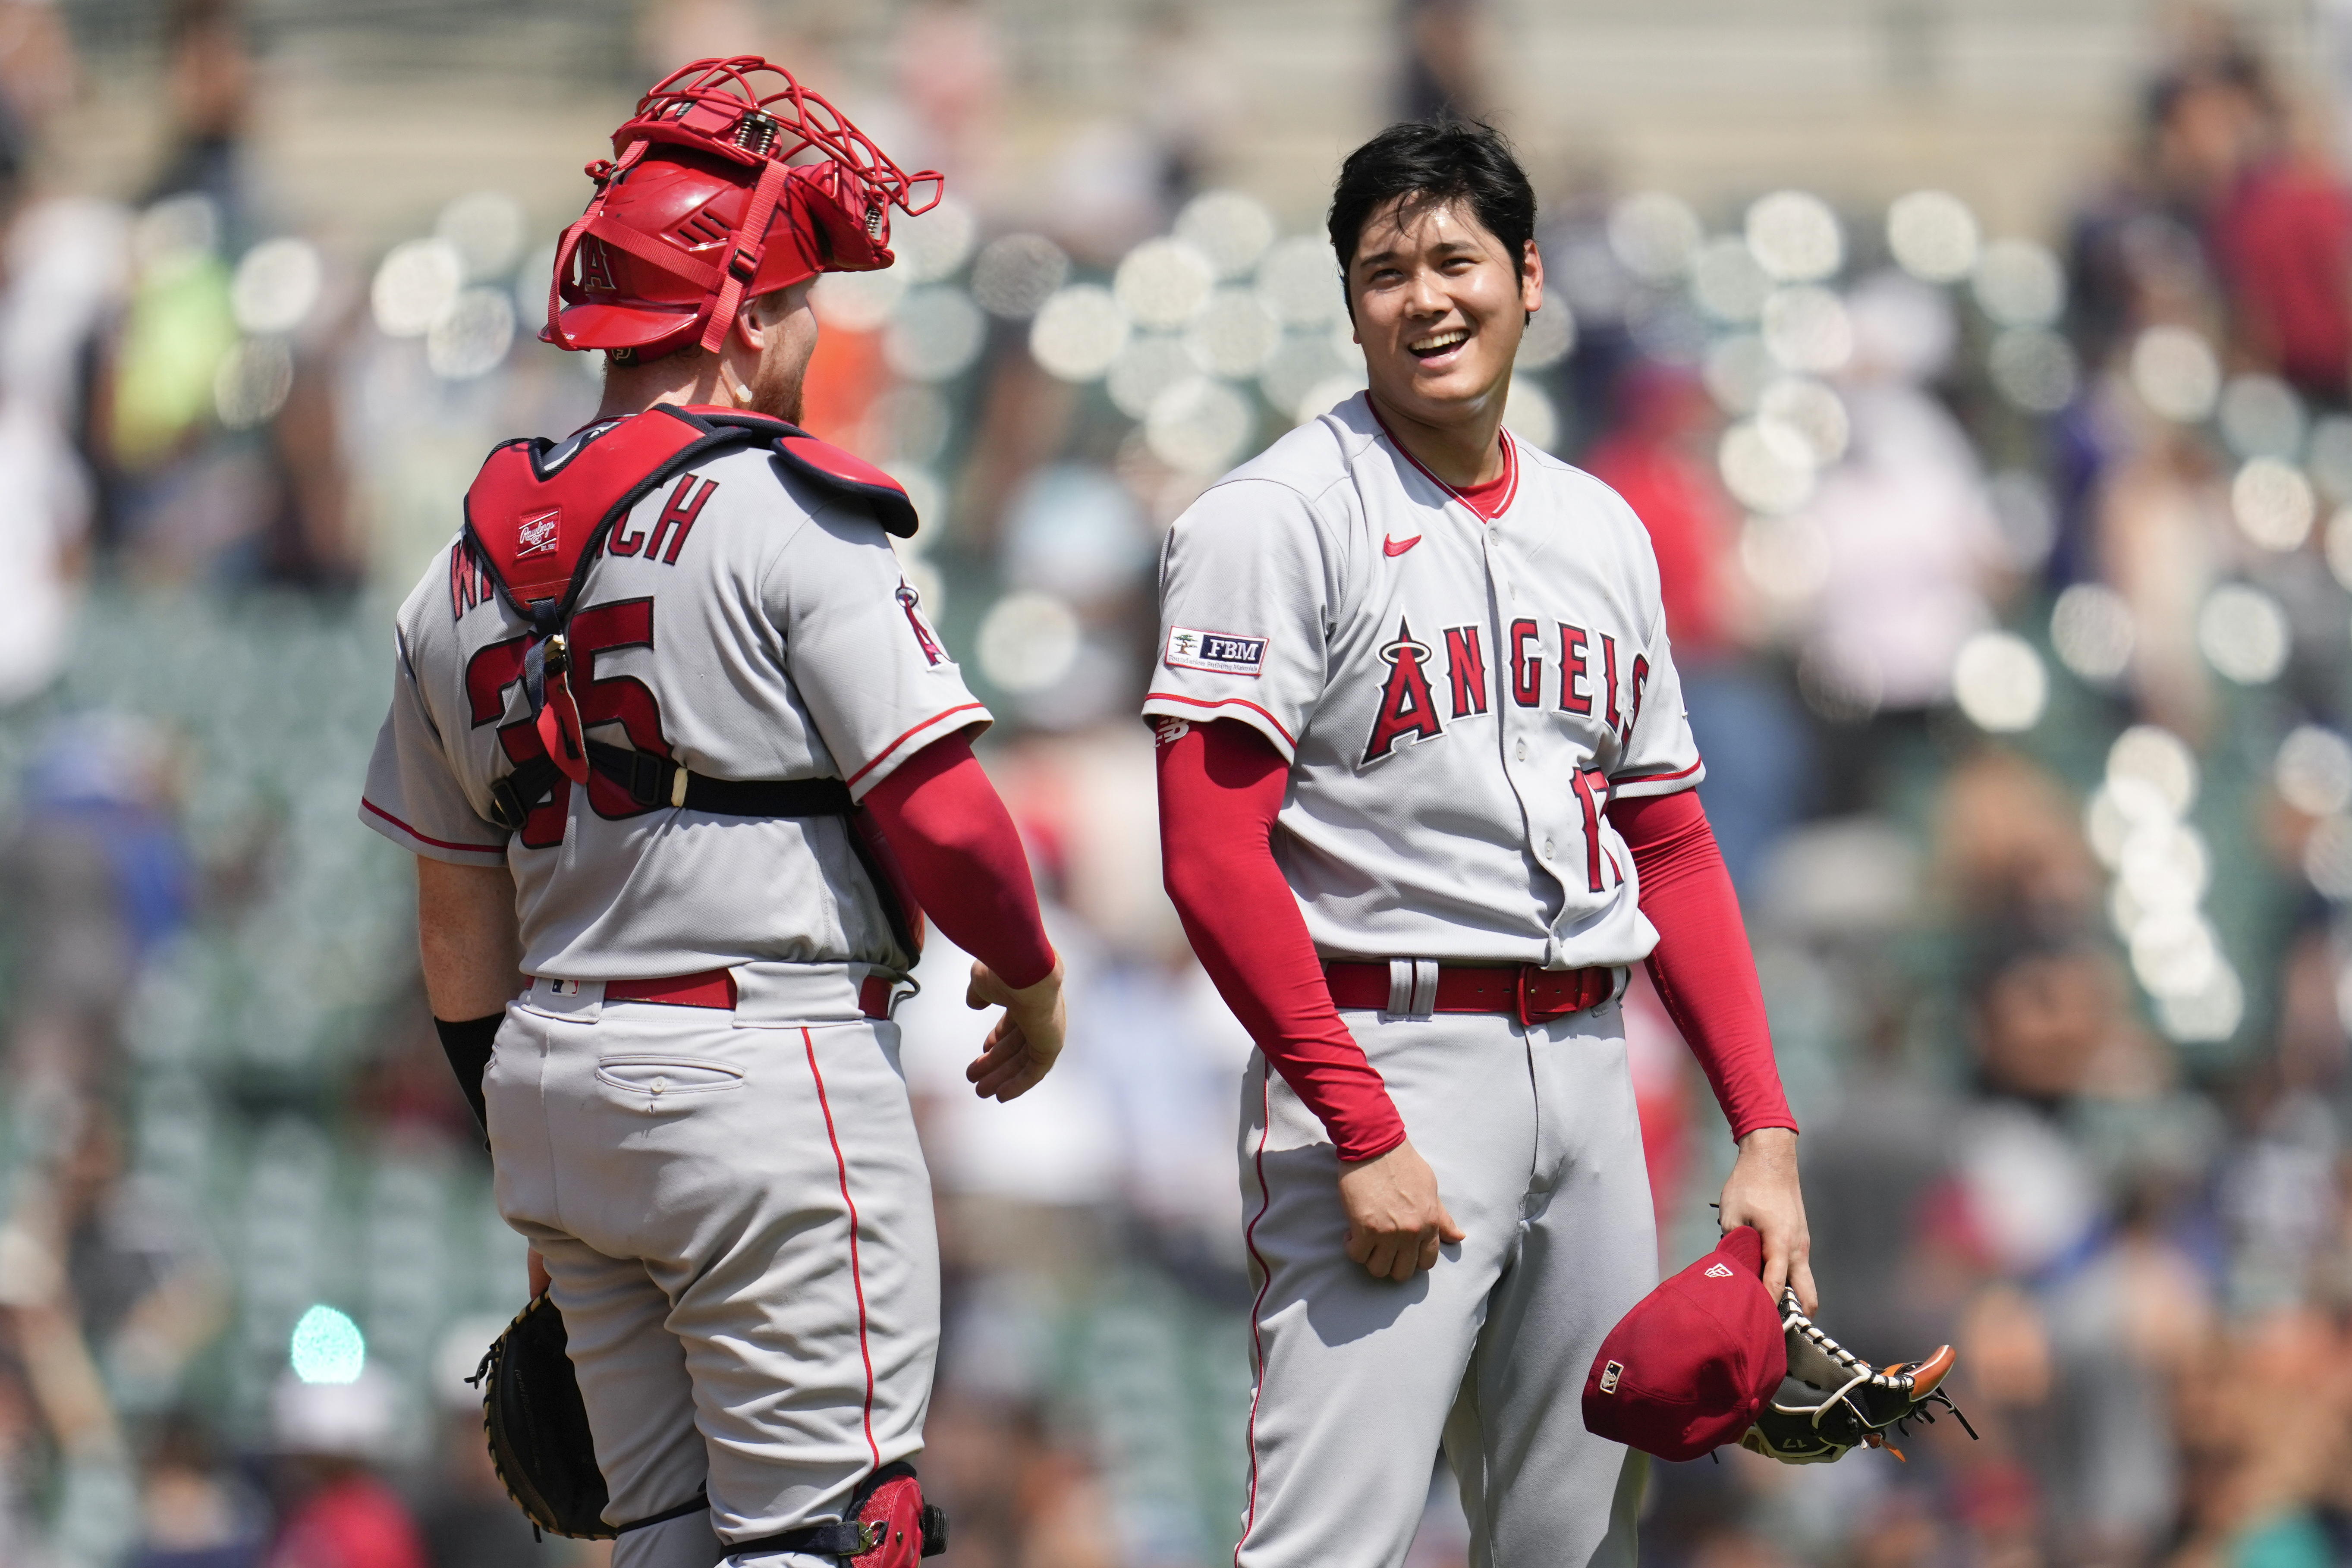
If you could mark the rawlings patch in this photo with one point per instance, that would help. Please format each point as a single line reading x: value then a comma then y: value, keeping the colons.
x: 536, y: 535
x: 1221, y: 653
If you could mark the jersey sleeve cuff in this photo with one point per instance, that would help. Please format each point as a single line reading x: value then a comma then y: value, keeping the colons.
x: 419, y: 843
x: 1369, y: 1143
x: 1638, y: 785
x: 1202, y: 709
x: 1783, y: 1119
x: 963, y: 716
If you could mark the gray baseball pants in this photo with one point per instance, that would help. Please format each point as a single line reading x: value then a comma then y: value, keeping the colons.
x: 1538, y: 1151
x: 738, y: 1224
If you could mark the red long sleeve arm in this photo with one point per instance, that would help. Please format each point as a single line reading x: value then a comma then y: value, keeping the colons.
x: 1221, y: 787
x: 1702, y: 966
x: 957, y: 847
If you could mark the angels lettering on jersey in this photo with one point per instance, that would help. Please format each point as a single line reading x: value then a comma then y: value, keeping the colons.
x: 1584, y: 681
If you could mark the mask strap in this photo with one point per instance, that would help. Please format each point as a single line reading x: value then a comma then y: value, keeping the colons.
x: 750, y: 247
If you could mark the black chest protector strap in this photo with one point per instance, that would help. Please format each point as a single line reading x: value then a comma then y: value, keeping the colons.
x: 537, y: 518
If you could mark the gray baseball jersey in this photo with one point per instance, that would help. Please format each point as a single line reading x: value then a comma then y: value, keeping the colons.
x: 1459, y: 699
x: 759, y: 627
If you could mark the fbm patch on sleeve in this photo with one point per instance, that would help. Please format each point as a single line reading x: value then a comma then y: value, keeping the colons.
x: 1223, y: 653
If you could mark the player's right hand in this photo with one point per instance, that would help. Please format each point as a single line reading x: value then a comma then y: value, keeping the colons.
x: 1022, y: 1048
x: 1395, y: 1221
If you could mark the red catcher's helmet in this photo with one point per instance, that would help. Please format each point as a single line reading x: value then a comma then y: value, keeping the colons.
x: 701, y: 207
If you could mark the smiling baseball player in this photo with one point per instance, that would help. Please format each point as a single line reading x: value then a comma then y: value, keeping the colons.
x: 1426, y: 795
x: 670, y: 734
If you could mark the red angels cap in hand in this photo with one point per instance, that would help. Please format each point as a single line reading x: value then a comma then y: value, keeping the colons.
x: 1688, y: 1368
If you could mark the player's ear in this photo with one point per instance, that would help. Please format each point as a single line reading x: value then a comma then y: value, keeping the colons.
x: 753, y: 319
x: 1531, y: 279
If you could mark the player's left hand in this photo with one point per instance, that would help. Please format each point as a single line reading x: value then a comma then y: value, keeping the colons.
x: 1022, y: 1048
x: 1763, y: 1191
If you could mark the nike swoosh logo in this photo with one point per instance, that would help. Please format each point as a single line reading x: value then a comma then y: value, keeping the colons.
x: 1397, y: 546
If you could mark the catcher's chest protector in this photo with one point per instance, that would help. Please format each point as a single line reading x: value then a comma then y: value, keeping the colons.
x: 536, y: 519
x: 536, y: 513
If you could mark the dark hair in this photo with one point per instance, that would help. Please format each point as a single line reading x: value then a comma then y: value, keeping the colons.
x: 1463, y: 161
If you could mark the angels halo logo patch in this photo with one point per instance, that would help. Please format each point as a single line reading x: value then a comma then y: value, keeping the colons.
x: 536, y: 534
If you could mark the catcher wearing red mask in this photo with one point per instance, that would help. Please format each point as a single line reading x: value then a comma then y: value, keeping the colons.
x: 686, y: 769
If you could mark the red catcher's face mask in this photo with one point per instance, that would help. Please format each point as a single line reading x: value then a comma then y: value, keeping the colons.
x: 702, y: 209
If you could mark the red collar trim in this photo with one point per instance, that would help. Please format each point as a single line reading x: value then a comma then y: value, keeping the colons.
x: 1506, y: 484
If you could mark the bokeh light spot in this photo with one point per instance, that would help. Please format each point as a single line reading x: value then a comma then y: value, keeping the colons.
x: 1933, y: 235
x: 1727, y: 281
x: 2242, y: 632
x: 2313, y: 771
x: 485, y: 228
x: 1078, y: 333
x: 2034, y: 369
x: 1163, y: 283
x: 1233, y: 230
x: 2091, y: 632
x: 1028, y: 641
x: 472, y: 336
x: 2153, y: 771
x: 2175, y: 372
x: 1300, y: 281
x: 327, y: 1347
x: 1767, y: 467
x: 2260, y: 417
x: 1999, y: 682
x: 1806, y: 329
x: 935, y: 333
x: 276, y: 286
x: 2019, y: 283
x: 1810, y: 412
x: 1795, y: 236
x: 252, y: 383
x: 1198, y: 426
x: 417, y: 281
x: 932, y: 247
x: 1653, y: 235
x: 2274, y: 503
x: 1015, y: 275
x: 1550, y: 337
x: 1234, y: 335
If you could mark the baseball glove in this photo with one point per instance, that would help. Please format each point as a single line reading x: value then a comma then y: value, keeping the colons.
x: 537, y: 1426
x: 1831, y: 1400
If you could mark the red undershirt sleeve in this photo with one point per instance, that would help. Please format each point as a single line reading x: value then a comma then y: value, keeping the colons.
x: 1221, y: 787
x: 956, y: 847
x: 1702, y: 966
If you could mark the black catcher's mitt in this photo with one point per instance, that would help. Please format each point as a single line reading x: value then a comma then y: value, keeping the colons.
x: 537, y: 1426
x: 1832, y: 1400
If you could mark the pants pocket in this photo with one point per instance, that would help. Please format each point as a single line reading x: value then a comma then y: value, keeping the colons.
x: 658, y: 1083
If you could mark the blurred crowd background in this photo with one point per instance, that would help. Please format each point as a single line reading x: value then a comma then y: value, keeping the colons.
x: 1980, y: 371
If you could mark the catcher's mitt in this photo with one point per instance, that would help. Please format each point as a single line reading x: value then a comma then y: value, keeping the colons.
x: 1832, y: 1400
x: 537, y: 1426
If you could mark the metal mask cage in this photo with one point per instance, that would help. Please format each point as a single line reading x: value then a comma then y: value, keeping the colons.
x: 779, y: 125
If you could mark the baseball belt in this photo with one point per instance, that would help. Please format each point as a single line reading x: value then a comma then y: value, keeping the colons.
x: 1410, y: 988
x: 715, y: 988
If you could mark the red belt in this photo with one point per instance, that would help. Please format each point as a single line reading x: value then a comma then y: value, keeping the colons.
x: 1525, y: 992
x: 715, y: 988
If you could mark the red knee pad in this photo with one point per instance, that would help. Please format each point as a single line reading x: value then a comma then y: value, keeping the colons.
x: 906, y: 1528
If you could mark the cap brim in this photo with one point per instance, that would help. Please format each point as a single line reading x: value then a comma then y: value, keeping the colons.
x: 596, y: 324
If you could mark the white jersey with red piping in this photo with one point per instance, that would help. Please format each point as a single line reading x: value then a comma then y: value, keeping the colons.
x: 1459, y: 699
x: 738, y: 620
